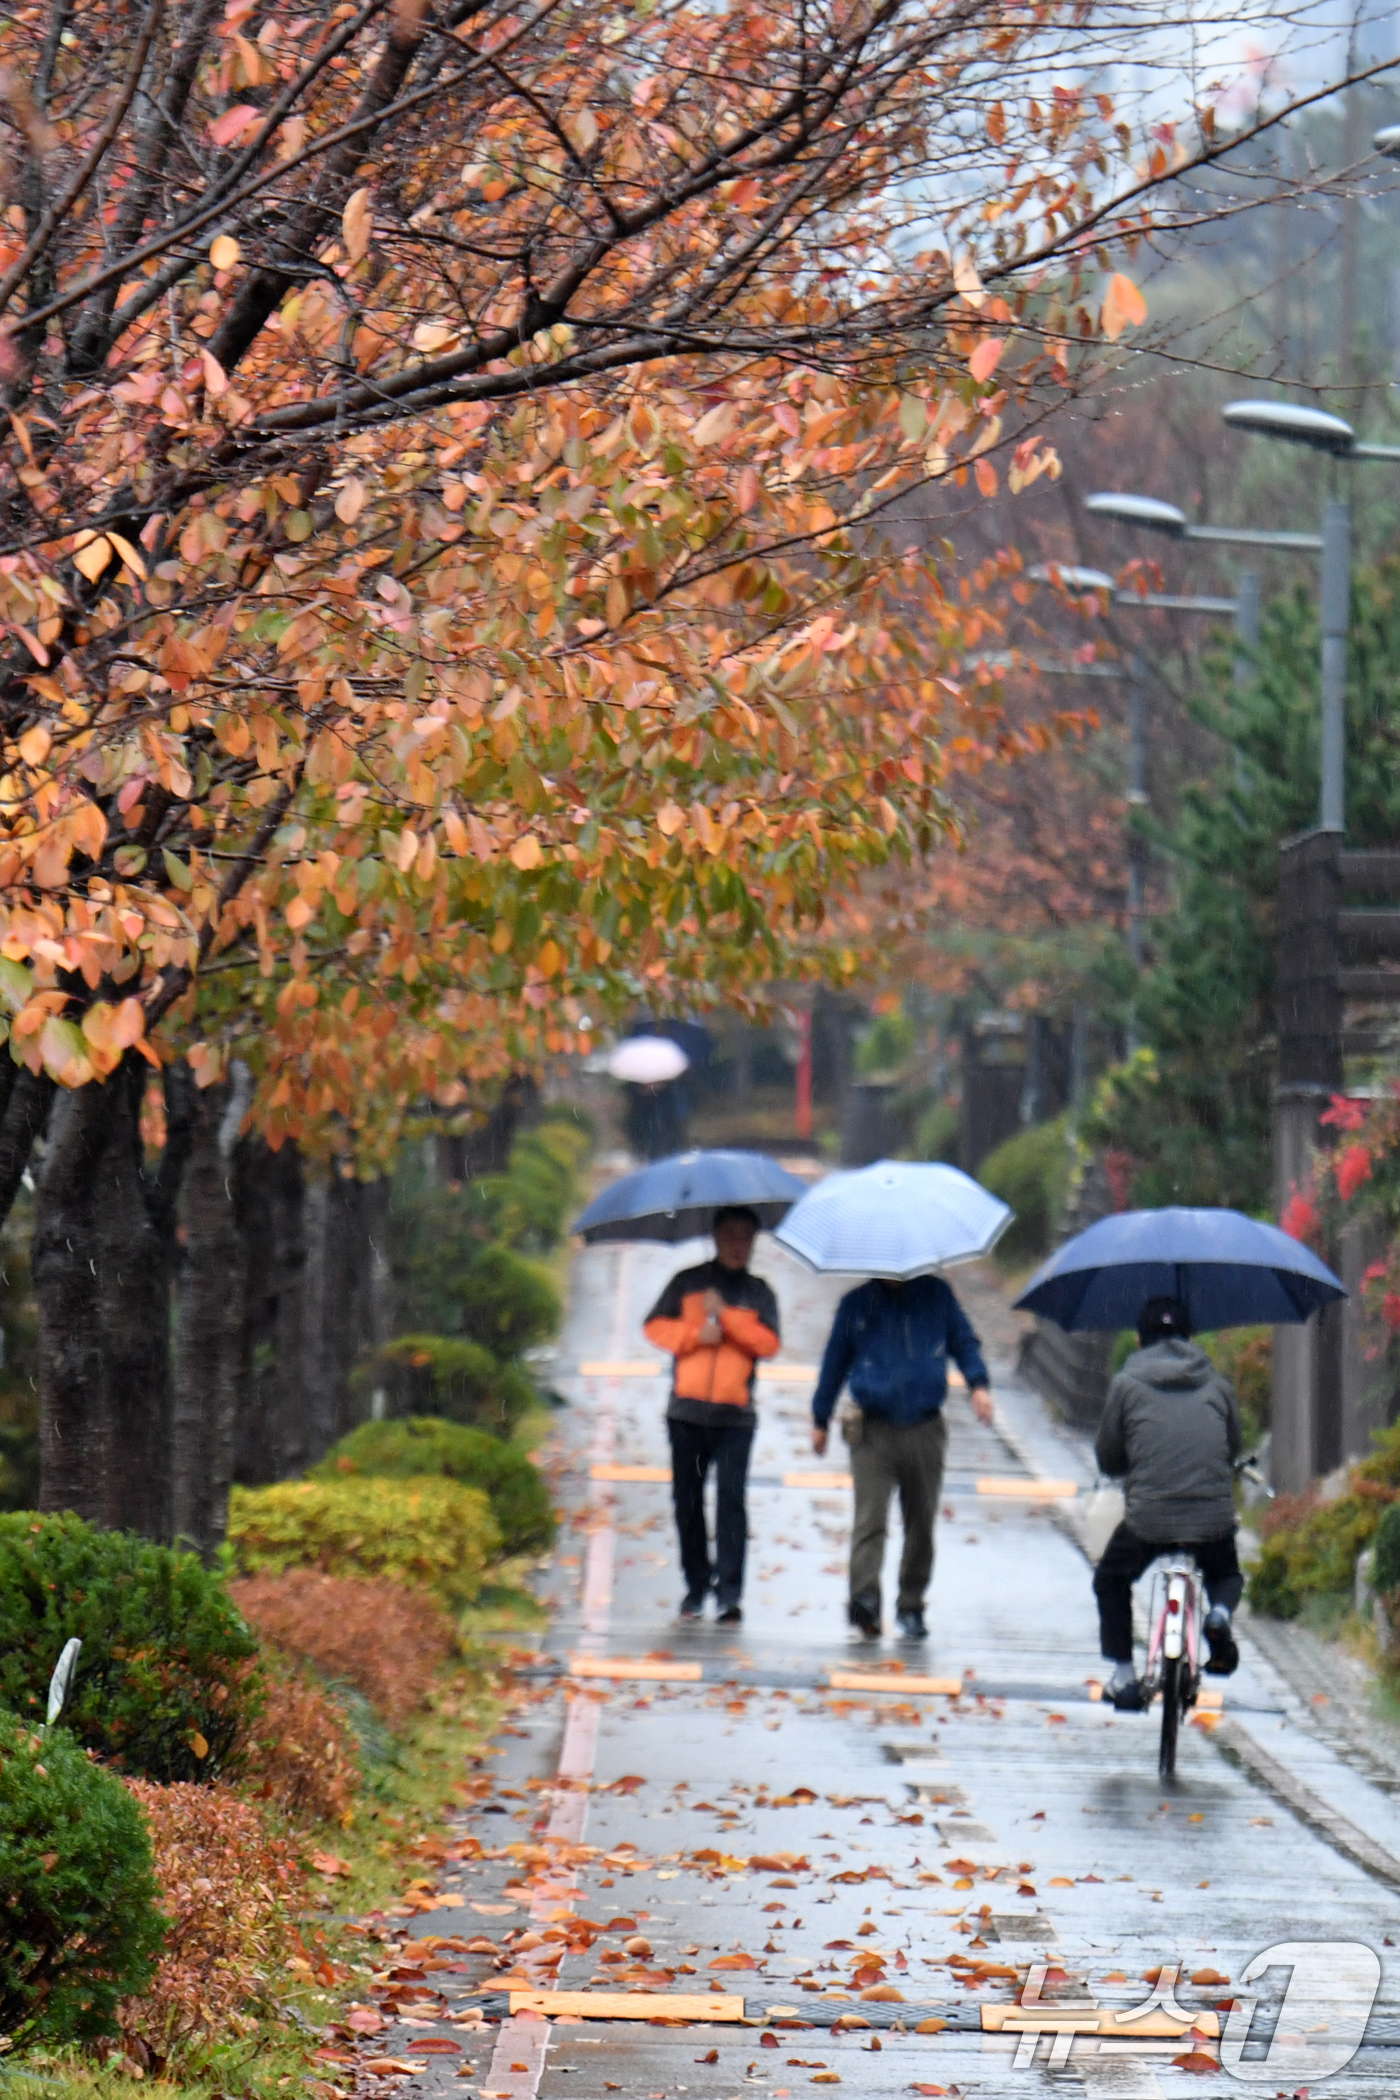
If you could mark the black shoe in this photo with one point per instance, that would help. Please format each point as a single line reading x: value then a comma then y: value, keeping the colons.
x: 730, y: 1616
x: 865, y: 1621
x: 692, y: 1605
x: 1224, y: 1657
x: 911, y: 1626
x: 1127, y: 1699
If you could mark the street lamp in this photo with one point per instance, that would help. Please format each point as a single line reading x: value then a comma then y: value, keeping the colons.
x: 1322, y: 432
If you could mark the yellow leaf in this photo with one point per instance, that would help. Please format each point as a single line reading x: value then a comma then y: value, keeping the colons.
x: 1123, y: 306
x: 525, y: 853
x: 351, y: 501
x: 224, y: 252
x: 669, y: 820
x: 93, y: 556
x: 128, y: 553
x: 356, y: 224
x: 408, y: 850
x: 35, y: 745
x: 550, y: 959
x: 715, y: 424
x: 300, y: 912
x: 967, y: 281
x: 198, y: 1745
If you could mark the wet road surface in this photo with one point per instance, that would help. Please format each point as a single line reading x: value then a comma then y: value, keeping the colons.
x: 760, y: 1831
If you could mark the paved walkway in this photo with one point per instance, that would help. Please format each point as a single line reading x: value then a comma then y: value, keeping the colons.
x: 757, y: 1829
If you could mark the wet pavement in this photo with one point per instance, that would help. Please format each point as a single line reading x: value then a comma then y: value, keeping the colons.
x: 802, y: 1845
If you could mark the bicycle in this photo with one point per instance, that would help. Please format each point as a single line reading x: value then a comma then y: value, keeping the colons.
x: 1174, y: 1642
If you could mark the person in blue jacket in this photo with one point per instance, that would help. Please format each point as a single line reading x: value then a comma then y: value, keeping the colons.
x: 890, y: 1344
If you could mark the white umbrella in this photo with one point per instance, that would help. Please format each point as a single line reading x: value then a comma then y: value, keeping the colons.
x: 897, y: 1219
x: 648, y: 1060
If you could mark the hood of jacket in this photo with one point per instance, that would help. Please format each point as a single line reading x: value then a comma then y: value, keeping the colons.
x: 1173, y: 1365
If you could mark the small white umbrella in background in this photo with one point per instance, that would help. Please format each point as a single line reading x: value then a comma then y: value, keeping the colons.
x: 648, y: 1060
x: 897, y: 1219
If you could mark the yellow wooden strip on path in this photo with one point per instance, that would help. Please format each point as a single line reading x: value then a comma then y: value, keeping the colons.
x: 629, y: 2005
x: 1058, y: 2019
x: 883, y: 1681
x: 1028, y: 1490
x: 816, y: 1480
x: 615, y: 1472
x: 628, y: 1669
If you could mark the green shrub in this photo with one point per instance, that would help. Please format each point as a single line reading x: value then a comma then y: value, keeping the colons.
x: 508, y: 1304
x: 79, y: 1925
x: 885, y: 1045
x: 1310, y: 1547
x: 459, y: 1380
x: 164, y: 1684
x: 937, y: 1132
x: 433, y: 1533
x: 1030, y: 1171
x: 531, y: 1203
x: 1385, y: 1557
x: 1246, y: 1356
x: 426, y: 1444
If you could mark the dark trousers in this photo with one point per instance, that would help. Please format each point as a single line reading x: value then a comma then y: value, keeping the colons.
x: 886, y: 1460
x: 1126, y: 1556
x: 693, y: 1451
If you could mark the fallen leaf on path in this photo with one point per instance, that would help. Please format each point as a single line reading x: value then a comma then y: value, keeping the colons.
x: 1196, y: 2060
x: 710, y: 2057
x: 438, y: 2045
x: 1057, y: 1718
x: 1204, y: 1976
x: 386, y: 2066
x: 1061, y: 1881
x: 805, y: 2063
x: 330, y: 1864
x: 826, y: 2078
x: 930, y: 2089
x: 365, y: 2020
x: 495, y: 1910
x: 887, y: 1993
x: 930, y: 2027
x: 732, y: 1961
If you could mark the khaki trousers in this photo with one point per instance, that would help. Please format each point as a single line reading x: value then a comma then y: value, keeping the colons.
x: 885, y: 1458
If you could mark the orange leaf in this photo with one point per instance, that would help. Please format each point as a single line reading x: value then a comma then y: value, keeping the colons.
x: 986, y: 477
x: 1123, y: 306
x: 733, y: 1961
x: 232, y: 124
x: 356, y: 225
x: 986, y: 357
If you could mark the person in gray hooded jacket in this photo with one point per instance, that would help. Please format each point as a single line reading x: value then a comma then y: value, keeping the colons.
x: 1170, y: 1431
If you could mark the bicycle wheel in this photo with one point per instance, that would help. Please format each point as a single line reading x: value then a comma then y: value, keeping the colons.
x: 1173, y: 1685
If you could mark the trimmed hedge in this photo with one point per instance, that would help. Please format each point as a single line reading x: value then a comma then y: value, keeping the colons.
x: 463, y: 1382
x: 431, y: 1533
x: 80, y: 1927
x: 1031, y: 1172
x: 165, y: 1684
x: 426, y: 1444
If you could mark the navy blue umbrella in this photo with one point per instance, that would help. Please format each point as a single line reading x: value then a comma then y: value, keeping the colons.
x: 674, y: 1199
x: 1228, y: 1270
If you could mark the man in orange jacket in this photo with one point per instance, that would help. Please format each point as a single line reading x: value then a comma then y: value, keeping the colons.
x: 716, y: 1321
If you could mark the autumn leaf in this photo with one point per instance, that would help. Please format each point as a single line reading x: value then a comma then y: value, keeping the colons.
x: 356, y: 225
x: 986, y: 357
x: 233, y: 123
x: 1123, y: 306
x: 224, y: 252
x: 1200, y: 2060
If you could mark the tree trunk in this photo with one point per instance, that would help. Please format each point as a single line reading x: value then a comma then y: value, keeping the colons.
x: 74, y: 1434
x: 133, y: 1265
x: 272, y: 1430
x: 210, y: 1315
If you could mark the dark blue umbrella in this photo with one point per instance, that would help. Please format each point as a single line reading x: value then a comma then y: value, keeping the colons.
x: 1228, y: 1270
x: 674, y: 1199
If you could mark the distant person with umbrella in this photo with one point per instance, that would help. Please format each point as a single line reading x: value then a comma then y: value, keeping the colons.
x: 717, y: 1321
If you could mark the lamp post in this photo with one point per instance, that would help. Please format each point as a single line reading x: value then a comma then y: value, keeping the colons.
x: 1322, y: 432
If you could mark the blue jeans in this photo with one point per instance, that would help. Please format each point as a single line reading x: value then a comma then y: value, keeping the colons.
x: 693, y: 1451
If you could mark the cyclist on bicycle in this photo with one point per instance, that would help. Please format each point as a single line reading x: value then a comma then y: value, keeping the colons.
x: 1170, y: 1431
